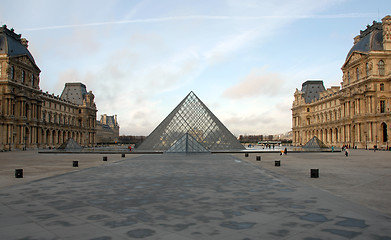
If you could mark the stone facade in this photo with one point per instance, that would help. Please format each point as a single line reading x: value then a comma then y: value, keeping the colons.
x: 107, y: 129
x: 358, y: 113
x: 31, y: 118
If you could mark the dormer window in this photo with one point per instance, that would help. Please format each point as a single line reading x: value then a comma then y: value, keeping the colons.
x: 367, y: 69
x: 380, y: 66
x: 12, y: 73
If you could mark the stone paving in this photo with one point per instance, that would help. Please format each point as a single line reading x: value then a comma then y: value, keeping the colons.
x: 181, y: 197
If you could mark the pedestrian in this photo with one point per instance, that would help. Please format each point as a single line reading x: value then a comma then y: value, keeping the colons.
x: 286, y: 151
x: 346, y: 153
x: 332, y: 148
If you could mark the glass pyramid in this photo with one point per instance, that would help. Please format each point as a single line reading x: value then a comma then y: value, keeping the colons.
x: 187, y: 144
x: 191, y: 117
x: 315, y: 143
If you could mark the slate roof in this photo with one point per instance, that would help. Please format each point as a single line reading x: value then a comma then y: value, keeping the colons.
x: 311, y: 90
x: 371, y: 39
x: 11, y: 44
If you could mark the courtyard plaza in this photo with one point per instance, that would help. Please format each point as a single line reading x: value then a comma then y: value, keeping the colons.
x: 196, y: 196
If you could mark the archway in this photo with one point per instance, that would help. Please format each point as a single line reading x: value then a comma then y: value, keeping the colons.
x: 384, y: 132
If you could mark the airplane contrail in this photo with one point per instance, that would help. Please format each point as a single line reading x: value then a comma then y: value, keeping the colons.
x: 200, y: 17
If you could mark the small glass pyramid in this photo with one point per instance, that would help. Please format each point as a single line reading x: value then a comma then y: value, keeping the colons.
x: 315, y: 143
x: 193, y: 118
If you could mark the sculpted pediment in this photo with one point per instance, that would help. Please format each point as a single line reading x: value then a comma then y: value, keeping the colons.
x: 355, y: 56
x: 27, y: 61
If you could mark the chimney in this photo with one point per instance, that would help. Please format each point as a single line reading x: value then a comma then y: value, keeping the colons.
x: 24, y: 42
x: 386, y: 24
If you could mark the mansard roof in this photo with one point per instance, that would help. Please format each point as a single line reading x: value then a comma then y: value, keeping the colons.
x: 13, y: 45
x: 371, y: 39
x: 311, y: 90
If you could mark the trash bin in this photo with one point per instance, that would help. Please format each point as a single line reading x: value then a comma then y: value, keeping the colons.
x: 123, y: 154
x: 246, y: 154
x: 75, y: 163
x: 18, y: 173
x: 258, y: 158
x: 277, y: 163
x: 314, y: 173
x: 105, y: 158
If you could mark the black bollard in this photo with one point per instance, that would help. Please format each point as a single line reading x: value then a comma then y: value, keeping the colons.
x: 246, y: 154
x: 314, y: 173
x: 105, y: 158
x: 258, y: 158
x: 75, y: 163
x: 123, y: 154
x: 18, y: 173
x: 277, y: 163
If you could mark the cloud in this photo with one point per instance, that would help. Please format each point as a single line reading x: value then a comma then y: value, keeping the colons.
x: 229, y: 45
x: 257, y: 82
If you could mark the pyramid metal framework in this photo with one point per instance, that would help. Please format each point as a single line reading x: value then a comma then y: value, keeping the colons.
x: 315, y: 143
x: 187, y: 144
x: 191, y: 117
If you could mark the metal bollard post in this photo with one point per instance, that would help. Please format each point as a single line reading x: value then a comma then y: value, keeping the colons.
x: 314, y: 173
x: 75, y: 163
x: 18, y: 173
x: 105, y: 158
x: 258, y: 158
x: 277, y: 163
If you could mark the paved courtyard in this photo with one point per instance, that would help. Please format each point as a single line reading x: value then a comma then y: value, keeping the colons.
x: 182, y: 197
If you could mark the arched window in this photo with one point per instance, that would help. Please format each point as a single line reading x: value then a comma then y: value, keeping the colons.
x: 380, y: 66
x: 23, y: 76
x: 382, y: 106
x: 357, y: 74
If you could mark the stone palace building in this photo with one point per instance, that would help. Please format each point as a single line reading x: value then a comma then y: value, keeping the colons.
x: 358, y: 113
x: 31, y: 118
x: 107, y: 129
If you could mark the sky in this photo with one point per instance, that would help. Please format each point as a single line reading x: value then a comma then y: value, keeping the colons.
x: 243, y: 58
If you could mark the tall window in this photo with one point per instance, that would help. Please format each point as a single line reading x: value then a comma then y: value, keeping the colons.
x: 12, y: 73
x: 367, y: 69
x: 32, y: 80
x: 381, y: 86
x: 23, y: 76
x: 380, y: 66
x: 357, y: 74
x: 348, y: 77
x: 382, y: 106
